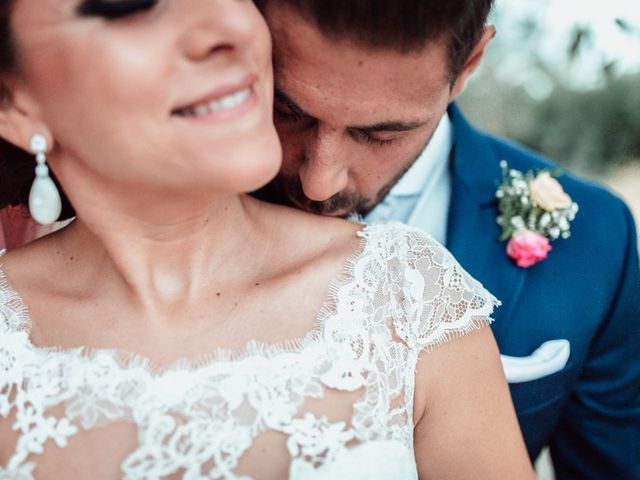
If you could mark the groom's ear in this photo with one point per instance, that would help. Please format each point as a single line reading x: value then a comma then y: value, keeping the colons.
x: 19, y: 115
x: 473, y: 61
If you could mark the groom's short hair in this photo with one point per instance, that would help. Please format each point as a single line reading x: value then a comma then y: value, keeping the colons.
x: 403, y: 25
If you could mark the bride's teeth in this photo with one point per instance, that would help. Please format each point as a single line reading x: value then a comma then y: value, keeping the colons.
x: 202, y: 110
x: 224, y: 103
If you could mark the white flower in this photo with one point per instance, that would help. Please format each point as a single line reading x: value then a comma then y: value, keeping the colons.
x: 517, y: 222
x: 563, y: 224
x: 520, y: 186
x: 545, y: 219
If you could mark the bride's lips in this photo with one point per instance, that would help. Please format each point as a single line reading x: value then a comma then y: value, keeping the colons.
x: 223, y: 104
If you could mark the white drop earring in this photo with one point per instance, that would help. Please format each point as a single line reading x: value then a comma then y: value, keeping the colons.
x: 45, y: 204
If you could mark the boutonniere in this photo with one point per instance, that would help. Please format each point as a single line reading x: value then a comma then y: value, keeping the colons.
x: 534, y: 210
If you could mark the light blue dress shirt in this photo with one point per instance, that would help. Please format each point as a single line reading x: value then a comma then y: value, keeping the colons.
x: 426, y: 187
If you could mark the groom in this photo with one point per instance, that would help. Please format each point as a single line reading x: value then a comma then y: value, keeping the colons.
x: 363, y: 108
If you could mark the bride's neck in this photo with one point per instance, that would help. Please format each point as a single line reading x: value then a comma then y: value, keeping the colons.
x: 168, y: 254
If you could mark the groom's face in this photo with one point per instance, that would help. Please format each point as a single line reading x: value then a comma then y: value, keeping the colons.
x: 351, y: 119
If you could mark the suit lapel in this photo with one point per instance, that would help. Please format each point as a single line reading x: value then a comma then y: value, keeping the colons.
x: 472, y: 232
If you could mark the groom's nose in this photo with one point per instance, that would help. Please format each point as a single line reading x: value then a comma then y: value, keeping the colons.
x: 324, y: 170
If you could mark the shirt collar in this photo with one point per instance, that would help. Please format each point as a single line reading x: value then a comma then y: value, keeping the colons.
x: 435, y: 153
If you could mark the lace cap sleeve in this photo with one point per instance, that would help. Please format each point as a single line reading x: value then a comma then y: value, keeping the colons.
x: 435, y: 299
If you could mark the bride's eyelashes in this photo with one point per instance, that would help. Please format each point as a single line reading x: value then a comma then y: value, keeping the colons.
x: 113, y: 9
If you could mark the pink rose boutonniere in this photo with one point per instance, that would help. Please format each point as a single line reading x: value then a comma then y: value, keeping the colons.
x: 528, y: 248
x: 534, y: 211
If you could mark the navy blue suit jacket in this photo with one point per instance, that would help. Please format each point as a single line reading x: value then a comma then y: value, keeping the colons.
x: 587, y: 291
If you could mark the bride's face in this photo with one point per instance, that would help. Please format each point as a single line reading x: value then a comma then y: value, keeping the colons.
x: 165, y: 93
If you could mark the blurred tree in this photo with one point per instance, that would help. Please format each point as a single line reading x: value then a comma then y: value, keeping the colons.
x: 539, y: 99
x: 590, y: 130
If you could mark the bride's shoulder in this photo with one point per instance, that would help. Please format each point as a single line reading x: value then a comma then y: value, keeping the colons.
x: 435, y: 298
x: 417, y: 250
x: 20, y: 262
x: 31, y: 267
x: 307, y: 233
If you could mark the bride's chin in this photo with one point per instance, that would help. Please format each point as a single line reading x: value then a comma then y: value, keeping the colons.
x: 243, y: 177
x: 266, y: 165
x: 259, y: 179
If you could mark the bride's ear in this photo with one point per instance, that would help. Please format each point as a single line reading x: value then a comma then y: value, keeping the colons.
x: 19, y: 116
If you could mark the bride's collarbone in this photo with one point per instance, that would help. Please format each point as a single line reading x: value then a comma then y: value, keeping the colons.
x: 72, y: 304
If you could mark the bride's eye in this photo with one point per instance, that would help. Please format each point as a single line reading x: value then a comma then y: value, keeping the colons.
x: 113, y: 9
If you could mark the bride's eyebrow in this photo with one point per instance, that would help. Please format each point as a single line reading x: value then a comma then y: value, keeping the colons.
x: 113, y: 8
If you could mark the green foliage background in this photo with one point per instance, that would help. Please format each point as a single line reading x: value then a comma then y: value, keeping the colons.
x: 589, y: 129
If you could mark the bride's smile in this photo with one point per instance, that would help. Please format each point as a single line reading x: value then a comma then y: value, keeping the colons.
x: 129, y: 78
x: 226, y: 103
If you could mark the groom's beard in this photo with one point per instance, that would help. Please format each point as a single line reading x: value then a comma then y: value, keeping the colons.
x: 287, y: 190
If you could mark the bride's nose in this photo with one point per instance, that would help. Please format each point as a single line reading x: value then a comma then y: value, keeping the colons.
x: 218, y: 25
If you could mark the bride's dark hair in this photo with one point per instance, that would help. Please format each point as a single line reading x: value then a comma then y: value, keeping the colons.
x: 17, y: 167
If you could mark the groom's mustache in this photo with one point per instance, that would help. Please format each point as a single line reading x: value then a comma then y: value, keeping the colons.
x: 287, y: 190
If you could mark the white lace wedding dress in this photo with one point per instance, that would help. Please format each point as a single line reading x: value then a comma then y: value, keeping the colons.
x: 336, y: 404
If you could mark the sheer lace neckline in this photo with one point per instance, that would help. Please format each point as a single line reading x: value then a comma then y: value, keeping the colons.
x: 338, y: 403
x: 251, y: 349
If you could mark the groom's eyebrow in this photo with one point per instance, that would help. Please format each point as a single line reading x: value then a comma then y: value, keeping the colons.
x: 397, y: 126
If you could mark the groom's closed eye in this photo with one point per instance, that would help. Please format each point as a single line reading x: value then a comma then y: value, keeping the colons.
x: 114, y: 9
x: 385, y: 133
x: 381, y: 134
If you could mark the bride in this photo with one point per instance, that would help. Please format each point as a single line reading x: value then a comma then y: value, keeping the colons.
x: 181, y: 329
